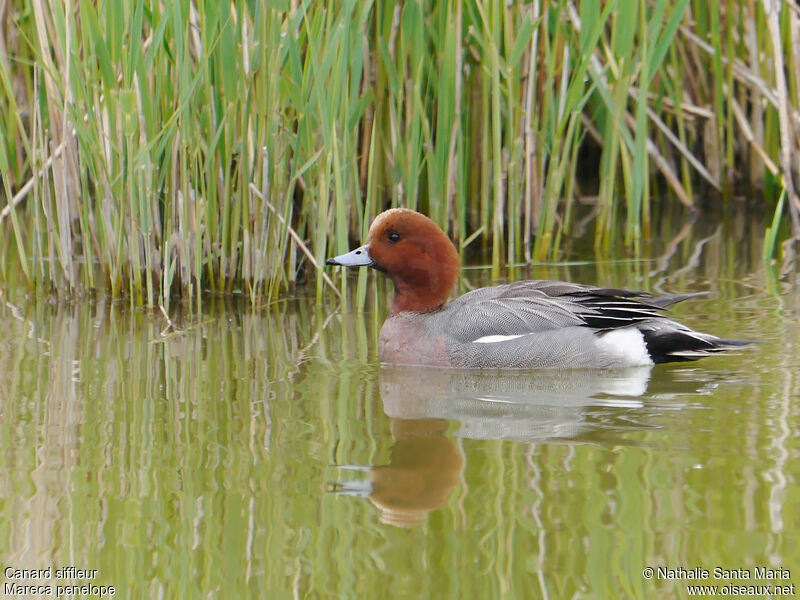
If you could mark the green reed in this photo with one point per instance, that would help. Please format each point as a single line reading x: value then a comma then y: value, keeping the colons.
x: 156, y: 151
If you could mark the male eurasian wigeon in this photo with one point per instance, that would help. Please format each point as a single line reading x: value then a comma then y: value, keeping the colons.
x: 523, y: 325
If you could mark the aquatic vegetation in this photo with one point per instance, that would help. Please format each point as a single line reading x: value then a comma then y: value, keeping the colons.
x: 157, y: 150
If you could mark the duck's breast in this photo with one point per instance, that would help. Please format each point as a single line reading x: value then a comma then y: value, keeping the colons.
x: 406, y: 339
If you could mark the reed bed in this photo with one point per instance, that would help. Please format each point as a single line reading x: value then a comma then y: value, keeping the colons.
x: 157, y: 150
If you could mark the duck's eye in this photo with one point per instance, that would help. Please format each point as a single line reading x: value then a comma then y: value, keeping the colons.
x: 394, y: 237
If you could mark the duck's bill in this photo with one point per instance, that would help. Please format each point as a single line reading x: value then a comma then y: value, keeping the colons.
x: 357, y: 258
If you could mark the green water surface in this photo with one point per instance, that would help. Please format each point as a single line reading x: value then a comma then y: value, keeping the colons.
x: 264, y: 452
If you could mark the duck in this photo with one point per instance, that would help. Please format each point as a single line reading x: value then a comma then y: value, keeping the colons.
x: 532, y: 324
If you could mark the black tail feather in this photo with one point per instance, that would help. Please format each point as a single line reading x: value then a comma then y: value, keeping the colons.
x: 685, y: 345
x: 671, y: 299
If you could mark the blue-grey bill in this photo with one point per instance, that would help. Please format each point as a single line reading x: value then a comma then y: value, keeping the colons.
x: 357, y: 258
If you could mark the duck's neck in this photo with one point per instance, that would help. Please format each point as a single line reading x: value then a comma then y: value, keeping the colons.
x: 419, y: 297
x: 405, y: 301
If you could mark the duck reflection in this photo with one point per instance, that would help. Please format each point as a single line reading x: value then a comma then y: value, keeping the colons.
x: 570, y: 406
x: 510, y: 405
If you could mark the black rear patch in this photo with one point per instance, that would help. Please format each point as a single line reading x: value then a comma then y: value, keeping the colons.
x: 660, y: 345
x: 679, y: 346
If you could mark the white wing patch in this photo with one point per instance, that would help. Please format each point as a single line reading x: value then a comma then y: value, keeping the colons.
x: 493, y: 339
x: 627, y: 343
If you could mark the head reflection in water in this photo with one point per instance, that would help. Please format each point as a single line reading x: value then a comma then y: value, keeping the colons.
x: 424, y: 468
